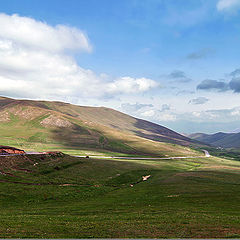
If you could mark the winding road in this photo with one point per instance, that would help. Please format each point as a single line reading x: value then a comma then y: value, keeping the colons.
x: 207, y: 154
x: 112, y: 157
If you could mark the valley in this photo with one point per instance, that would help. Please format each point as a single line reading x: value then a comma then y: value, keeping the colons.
x: 119, y: 119
x: 145, y: 179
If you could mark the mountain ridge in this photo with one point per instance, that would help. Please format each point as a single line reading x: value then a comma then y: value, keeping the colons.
x: 220, y: 139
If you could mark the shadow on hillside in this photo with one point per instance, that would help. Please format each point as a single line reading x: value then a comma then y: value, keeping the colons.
x: 78, y: 137
x: 159, y: 133
x: 75, y: 136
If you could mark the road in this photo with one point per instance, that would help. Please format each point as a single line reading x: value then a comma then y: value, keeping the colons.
x: 207, y: 154
x: 112, y: 157
x: 151, y: 158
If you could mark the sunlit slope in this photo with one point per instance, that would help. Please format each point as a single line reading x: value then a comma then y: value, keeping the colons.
x: 38, y: 125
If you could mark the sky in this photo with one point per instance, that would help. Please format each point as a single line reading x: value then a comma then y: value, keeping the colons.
x: 172, y: 62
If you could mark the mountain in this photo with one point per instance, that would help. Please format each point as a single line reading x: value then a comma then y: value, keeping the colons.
x: 40, y: 125
x: 237, y: 130
x: 225, y: 140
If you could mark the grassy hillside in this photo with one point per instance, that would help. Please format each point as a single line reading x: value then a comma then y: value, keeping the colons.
x: 64, y: 197
x: 42, y: 125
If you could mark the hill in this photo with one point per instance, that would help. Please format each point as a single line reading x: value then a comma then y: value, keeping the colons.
x: 225, y: 140
x: 45, y: 125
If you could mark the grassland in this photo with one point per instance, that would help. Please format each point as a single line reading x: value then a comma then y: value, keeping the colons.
x: 66, y: 197
x: 59, y: 196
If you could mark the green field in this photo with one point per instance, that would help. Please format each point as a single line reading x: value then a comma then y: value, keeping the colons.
x: 67, y: 197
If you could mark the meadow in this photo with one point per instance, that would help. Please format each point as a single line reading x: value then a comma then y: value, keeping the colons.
x: 67, y: 197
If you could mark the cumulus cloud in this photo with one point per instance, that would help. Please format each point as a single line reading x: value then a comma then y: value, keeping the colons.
x: 212, y: 115
x: 27, y: 32
x: 199, y: 100
x: 235, y: 112
x: 220, y: 115
x: 128, y: 107
x: 167, y: 117
x: 35, y: 62
x: 203, y: 53
x: 131, y: 85
x: 184, y: 92
x: 228, y: 5
x: 159, y: 116
x: 234, y: 84
x: 165, y: 107
x: 212, y: 84
x: 235, y: 73
x: 179, y: 76
x: 149, y: 111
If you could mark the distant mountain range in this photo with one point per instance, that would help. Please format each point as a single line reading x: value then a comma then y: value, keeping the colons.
x: 50, y: 124
x: 220, y: 139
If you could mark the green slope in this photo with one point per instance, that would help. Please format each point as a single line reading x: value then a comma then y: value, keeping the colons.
x: 58, y: 196
x: 42, y: 125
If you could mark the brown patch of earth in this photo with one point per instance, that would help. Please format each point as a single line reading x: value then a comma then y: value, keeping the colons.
x: 55, y: 121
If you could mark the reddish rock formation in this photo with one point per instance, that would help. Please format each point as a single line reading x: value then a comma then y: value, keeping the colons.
x: 10, y: 150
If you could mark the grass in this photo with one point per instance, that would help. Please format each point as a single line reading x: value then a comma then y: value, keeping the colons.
x: 93, y: 198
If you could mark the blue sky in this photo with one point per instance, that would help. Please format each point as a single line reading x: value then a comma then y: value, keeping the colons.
x: 168, y: 61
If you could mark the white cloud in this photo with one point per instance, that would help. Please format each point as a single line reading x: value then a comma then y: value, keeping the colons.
x: 131, y: 85
x: 148, y: 113
x: 159, y: 116
x: 34, y: 63
x: 167, y: 117
x: 31, y: 33
x: 228, y: 5
x: 156, y: 113
x: 235, y: 112
x: 219, y: 115
x: 136, y: 107
x: 198, y: 100
x: 196, y: 114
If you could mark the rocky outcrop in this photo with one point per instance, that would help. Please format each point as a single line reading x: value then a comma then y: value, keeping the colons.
x: 10, y: 150
x: 55, y: 121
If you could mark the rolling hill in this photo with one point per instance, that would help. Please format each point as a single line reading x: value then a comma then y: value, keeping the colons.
x: 60, y: 196
x: 46, y: 125
x: 224, y: 140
